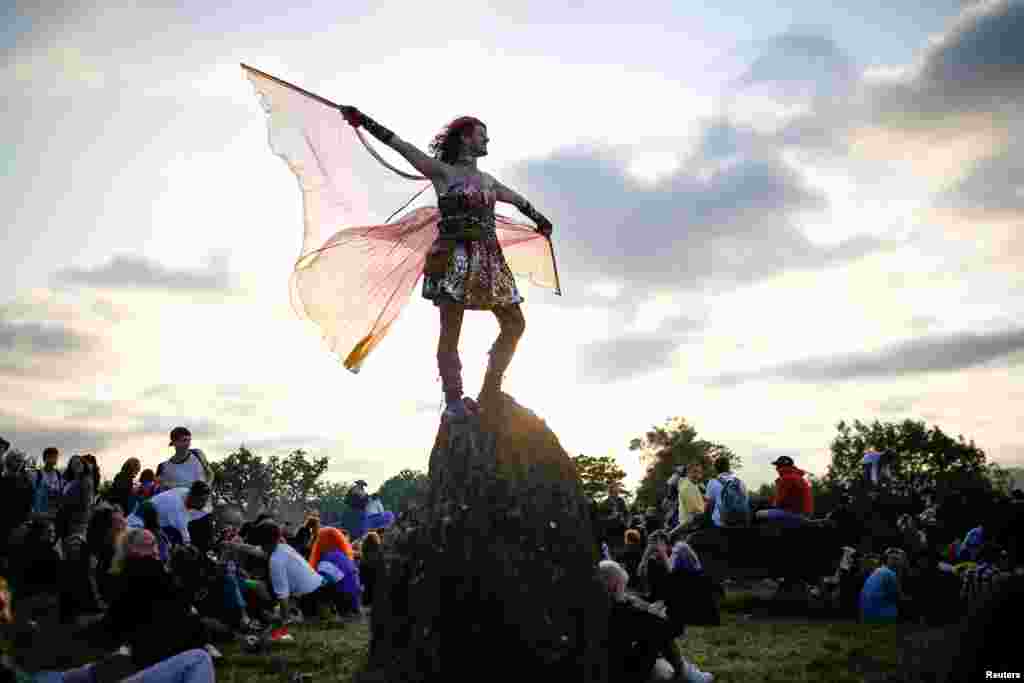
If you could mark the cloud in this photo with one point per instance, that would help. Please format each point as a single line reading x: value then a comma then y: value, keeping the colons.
x: 624, y: 357
x: 134, y: 272
x: 935, y: 354
x: 38, y: 338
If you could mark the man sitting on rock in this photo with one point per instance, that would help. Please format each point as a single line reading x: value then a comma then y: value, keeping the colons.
x: 728, y: 498
x: 792, y: 503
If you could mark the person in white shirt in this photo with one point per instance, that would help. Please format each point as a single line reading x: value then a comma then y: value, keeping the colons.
x: 176, y: 508
x: 186, y: 465
x: 291, y: 577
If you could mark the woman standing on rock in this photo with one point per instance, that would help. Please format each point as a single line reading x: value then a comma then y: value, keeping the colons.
x: 465, y: 267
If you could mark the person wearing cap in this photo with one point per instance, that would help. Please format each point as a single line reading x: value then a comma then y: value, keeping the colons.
x: 176, y: 508
x: 792, y: 502
x: 186, y: 465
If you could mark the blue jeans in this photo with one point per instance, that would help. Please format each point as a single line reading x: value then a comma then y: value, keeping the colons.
x: 192, y: 666
x: 786, y: 518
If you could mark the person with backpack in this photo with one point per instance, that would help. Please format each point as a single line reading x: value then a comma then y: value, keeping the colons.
x: 728, y: 497
x: 670, y: 503
x: 47, y: 484
x: 793, y: 502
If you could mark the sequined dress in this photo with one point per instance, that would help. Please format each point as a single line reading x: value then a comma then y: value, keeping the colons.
x: 477, y: 275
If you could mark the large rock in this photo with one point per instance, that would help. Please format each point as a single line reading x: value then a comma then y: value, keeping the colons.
x: 499, y: 572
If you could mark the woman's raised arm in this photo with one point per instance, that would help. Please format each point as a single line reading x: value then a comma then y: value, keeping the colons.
x: 422, y: 162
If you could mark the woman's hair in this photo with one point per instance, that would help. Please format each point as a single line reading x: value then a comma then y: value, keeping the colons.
x: 371, y: 543
x: 447, y: 145
x: 131, y: 539
x: 328, y: 540
x: 147, y: 475
x: 68, y: 474
x: 632, y: 537
x: 100, y: 524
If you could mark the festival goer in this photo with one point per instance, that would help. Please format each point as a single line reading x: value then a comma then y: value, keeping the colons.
x: 16, y: 496
x: 94, y: 469
x: 150, y: 613
x: 632, y: 554
x: 106, y: 529
x: 670, y: 503
x: 187, y: 465
x: 792, y: 502
x: 371, y: 559
x: 192, y: 666
x: 122, y: 492
x: 691, y: 498
x: 146, y: 517
x: 376, y: 516
x: 727, y: 497
x: 616, y: 514
x: 331, y: 557
x: 290, y: 576
x: 307, y: 534
x: 875, y: 464
x: 48, y: 484
x: 655, y: 566
x: 465, y: 268
x: 353, y: 520
x: 177, y: 508
x: 36, y: 566
x: 971, y: 545
x: 639, y: 632
x: 147, y: 484
x: 881, y: 596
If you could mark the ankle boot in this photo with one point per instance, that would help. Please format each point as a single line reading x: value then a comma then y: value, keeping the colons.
x: 497, y: 364
x: 450, y: 368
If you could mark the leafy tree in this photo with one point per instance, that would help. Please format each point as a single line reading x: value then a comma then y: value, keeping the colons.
x: 238, y: 473
x: 598, y: 474
x: 666, y: 447
x: 406, y: 489
x: 295, y: 478
x: 921, y: 457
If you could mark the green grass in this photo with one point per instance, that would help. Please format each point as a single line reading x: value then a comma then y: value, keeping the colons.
x: 793, y: 650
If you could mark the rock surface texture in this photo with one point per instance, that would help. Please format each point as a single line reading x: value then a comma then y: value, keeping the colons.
x: 497, y: 577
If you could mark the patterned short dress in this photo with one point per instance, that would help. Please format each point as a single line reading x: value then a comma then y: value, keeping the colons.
x: 477, y: 275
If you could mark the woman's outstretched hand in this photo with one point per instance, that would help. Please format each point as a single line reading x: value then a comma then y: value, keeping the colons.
x: 352, y: 115
x: 545, y: 228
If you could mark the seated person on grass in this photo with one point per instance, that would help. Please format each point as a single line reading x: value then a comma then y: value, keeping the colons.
x: 639, y: 632
x: 176, y: 509
x: 291, y: 578
x: 190, y: 666
x: 331, y: 557
x: 881, y: 595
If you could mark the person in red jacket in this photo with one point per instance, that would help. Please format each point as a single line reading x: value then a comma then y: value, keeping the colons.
x: 792, y: 502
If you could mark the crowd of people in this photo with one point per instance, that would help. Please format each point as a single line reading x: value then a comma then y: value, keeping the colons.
x: 932, y: 575
x: 153, y: 577
x: 155, y: 573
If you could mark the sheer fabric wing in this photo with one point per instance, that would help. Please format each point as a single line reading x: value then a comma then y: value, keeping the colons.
x: 354, y: 284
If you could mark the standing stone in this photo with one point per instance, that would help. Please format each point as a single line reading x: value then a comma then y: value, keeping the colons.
x: 498, y: 576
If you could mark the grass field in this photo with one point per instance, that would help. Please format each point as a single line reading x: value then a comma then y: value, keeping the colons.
x: 747, y: 648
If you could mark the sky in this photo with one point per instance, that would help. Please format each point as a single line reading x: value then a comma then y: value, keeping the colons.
x: 767, y: 219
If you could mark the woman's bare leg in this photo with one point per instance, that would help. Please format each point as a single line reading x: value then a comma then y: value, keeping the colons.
x: 513, y: 324
x: 448, y: 363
